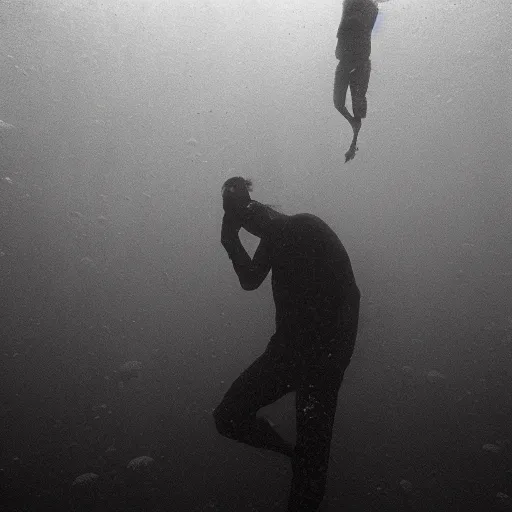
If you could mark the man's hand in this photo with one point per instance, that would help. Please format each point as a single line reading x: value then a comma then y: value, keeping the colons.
x: 229, y: 231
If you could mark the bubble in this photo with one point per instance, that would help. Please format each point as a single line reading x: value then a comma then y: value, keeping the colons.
x: 130, y: 366
x: 406, y: 485
x: 433, y: 376
x: 86, y: 261
x: 141, y: 464
x: 129, y: 370
x: 85, y: 480
x: 5, y: 126
x: 489, y: 447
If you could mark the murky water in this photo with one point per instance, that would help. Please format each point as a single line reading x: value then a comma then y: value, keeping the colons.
x: 121, y: 120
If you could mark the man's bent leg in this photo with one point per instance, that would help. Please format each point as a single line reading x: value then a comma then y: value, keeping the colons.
x: 269, y: 378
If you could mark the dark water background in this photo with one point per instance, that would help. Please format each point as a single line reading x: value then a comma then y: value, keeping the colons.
x: 127, y: 117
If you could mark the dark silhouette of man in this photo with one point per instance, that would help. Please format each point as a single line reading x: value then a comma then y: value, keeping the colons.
x: 317, y: 310
x: 353, y: 52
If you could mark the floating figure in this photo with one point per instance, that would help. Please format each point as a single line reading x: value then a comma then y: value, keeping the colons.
x: 353, y: 52
x: 317, y: 312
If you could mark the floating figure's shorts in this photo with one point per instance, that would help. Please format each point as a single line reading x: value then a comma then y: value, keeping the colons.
x: 355, y: 74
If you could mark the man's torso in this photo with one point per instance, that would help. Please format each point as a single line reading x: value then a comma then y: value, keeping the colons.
x: 311, y: 270
x: 354, y: 32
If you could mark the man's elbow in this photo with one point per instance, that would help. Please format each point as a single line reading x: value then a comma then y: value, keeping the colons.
x: 250, y: 283
x: 249, y: 286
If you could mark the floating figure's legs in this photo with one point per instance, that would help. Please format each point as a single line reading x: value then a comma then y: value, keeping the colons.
x: 357, y: 76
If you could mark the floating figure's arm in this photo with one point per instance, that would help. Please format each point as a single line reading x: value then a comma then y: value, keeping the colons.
x: 251, y: 272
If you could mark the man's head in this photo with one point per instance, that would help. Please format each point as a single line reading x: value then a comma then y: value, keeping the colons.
x: 251, y: 215
x: 235, y: 194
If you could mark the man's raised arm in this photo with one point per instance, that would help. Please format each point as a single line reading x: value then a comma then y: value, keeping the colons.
x: 251, y: 273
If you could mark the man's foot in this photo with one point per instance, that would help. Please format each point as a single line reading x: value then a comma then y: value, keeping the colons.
x: 351, y: 153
